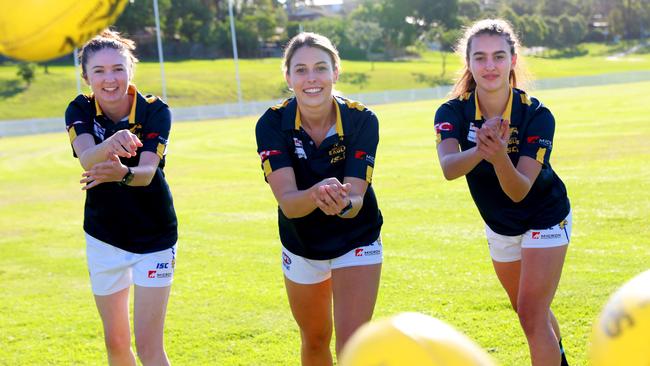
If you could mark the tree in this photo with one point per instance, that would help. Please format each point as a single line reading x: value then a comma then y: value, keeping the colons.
x: 447, y: 39
x: 27, y: 72
x: 469, y: 9
x: 366, y: 35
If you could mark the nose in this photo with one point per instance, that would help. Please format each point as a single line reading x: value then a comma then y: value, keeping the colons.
x: 489, y: 63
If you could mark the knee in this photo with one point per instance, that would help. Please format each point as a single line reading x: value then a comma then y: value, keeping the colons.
x: 532, y: 318
x: 117, y: 344
x: 316, y: 340
x: 148, y: 351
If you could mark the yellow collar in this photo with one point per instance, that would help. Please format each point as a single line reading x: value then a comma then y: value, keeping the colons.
x: 507, y: 114
x: 130, y: 91
x: 339, y: 122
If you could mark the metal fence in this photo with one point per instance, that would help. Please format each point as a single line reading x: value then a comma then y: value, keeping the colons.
x: 44, y: 125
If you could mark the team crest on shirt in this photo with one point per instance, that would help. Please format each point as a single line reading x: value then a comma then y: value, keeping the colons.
x: 300, y: 151
x: 337, y: 153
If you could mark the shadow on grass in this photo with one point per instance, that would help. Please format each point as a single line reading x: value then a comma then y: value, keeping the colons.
x: 9, y: 88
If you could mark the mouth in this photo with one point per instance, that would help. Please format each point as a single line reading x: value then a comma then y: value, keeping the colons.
x: 312, y: 91
x: 490, y: 77
x: 110, y: 90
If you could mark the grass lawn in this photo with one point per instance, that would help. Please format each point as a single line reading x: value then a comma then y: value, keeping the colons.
x: 206, y: 82
x: 228, y: 305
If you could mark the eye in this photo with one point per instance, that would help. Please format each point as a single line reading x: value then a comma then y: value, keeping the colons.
x: 500, y: 57
x: 299, y: 70
x: 322, y: 68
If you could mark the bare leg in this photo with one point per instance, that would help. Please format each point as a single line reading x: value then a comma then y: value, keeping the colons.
x: 149, y: 322
x: 311, y: 306
x: 355, y: 293
x: 114, y: 311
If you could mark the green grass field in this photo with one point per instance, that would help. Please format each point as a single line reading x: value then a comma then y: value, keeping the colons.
x: 191, y: 83
x: 228, y: 305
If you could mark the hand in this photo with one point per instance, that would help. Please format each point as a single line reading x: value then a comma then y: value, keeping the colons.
x: 111, y: 170
x: 123, y: 143
x: 331, y: 196
x: 493, y: 139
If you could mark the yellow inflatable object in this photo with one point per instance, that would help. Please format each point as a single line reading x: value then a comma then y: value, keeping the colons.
x: 40, y: 30
x: 621, y: 335
x: 412, y: 339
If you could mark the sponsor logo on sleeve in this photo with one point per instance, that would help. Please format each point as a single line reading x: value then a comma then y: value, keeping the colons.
x: 536, y: 234
x: 151, y: 274
x: 362, y: 155
x: 266, y: 153
x: 539, y: 141
x: 358, y: 252
x: 152, y: 135
x: 443, y: 126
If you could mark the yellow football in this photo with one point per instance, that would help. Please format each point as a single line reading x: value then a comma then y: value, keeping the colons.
x: 621, y: 334
x: 39, y: 30
x: 409, y: 339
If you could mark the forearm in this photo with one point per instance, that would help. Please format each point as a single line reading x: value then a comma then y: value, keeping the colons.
x: 142, y: 175
x: 458, y: 164
x: 297, y: 203
x: 93, y: 155
x: 513, y: 183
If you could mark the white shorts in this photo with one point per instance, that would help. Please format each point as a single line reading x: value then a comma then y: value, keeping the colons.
x: 112, y: 269
x: 309, y: 271
x: 508, y: 248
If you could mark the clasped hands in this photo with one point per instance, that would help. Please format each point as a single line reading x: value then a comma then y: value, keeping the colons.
x: 122, y: 144
x: 492, y: 139
x: 331, y: 196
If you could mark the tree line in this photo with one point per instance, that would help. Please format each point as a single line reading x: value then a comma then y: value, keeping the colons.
x: 375, y: 29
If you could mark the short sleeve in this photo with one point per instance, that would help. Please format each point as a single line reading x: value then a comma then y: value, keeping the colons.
x: 155, y: 133
x: 447, y: 123
x: 361, y: 150
x: 272, y: 147
x: 79, y: 118
x: 537, y: 142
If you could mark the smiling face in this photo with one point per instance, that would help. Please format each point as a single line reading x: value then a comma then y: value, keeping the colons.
x: 490, y: 61
x: 311, y: 75
x: 108, y: 73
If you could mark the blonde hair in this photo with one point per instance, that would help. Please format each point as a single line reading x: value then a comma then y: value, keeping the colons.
x: 107, y: 39
x: 519, y: 75
x: 308, y: 39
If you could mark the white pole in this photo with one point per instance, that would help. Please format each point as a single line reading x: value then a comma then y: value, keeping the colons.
x: 77, y: 72
x: 160, y: 52
x: 235, y: 56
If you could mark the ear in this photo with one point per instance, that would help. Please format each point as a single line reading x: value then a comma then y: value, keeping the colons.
x: 336, y: 74
x: 513, y: 62
x: 288, y: 80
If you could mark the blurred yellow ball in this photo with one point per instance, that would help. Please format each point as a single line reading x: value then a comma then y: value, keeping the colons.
x: 621, y: 335
x: 412, y: 339
x: 39, y: 30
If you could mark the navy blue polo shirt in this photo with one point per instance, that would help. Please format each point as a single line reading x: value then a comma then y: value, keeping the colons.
x: 349, y: 151
x: 531, y: 134
x: 136, y: 219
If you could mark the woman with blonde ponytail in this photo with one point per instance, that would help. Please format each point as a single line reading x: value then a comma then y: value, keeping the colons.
x: 501, y: 139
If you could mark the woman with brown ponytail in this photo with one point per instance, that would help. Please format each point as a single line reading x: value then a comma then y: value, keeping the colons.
x: 501, y: 140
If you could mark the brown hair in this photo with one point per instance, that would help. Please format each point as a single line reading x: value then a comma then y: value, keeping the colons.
x: 308, y: 39
x: 519, y: 75
x: 107, y: 39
